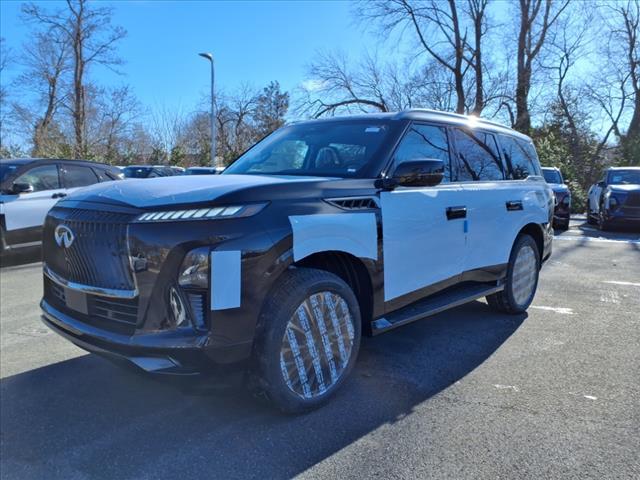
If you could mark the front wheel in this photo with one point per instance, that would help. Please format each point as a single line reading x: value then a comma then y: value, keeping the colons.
x: 522, y: 278
x: 308, y: 340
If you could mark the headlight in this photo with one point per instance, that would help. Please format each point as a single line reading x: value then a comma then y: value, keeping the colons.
x: 232, y: 211
x: 194, y: 271
x: 611, y: 201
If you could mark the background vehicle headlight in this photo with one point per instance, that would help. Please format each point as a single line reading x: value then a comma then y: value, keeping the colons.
x: 194, y: 271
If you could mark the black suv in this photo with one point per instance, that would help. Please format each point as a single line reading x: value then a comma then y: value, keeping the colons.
x: 322, y: 232
x: 562, y: 211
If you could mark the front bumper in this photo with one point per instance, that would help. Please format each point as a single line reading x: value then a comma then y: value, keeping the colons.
x: 172, y: 352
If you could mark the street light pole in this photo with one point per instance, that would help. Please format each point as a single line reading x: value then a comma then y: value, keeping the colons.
x: 209, y: 57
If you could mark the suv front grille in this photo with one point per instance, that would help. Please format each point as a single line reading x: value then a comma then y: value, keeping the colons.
x: 633, y: 200
x: 115, y: 315
x: 98, y: 255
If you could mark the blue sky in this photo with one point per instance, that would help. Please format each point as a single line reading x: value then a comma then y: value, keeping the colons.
x: 253, y: 42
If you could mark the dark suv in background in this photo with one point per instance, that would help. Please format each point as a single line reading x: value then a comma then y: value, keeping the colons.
x: 615, y: 199
x: 562, y: 210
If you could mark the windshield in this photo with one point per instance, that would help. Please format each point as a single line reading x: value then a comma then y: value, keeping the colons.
x: 552, y: 176
x: 334, y: 149
x: 622, y: 177
x: 137, y: 172
x: 7, y: 169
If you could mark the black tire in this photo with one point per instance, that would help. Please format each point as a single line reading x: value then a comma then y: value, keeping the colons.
x: 267, y: 375
x: 563, y: 226
x: 505, y: 301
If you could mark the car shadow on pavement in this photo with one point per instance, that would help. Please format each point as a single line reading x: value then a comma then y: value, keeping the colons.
x: 86, y: 418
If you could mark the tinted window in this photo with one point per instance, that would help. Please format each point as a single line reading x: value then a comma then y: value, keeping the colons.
x: 530, y: 152
x: 622, y: 177
x: 423, y: 142
x: 77, y: 176
x: 551, y: 176
x: 521, y: 164
x: 7, y: 169
x: 104, y: 176
x: 137, y: 172
x: 478, y: 157
x: 41, y: 178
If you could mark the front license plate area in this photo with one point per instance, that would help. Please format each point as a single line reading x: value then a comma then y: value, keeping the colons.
x: 76, y: 300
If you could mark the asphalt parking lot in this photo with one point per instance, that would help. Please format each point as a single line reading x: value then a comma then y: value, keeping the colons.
x: 465, y: 394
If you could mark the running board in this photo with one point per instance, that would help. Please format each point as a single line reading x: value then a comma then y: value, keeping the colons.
x: 434, y: 304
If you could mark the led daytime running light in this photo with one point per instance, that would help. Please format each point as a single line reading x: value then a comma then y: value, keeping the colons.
x: 202, y: 213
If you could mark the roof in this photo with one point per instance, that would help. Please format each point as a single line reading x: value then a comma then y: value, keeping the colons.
x: 423, y: 114
x: 24, y: 161
x: 623, y: 168
x: 550, y: 168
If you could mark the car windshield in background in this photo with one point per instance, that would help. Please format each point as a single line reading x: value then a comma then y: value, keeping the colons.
x: 334, y: 149
x: 551, y: 176
x: 7, y: 169
x: 200, y: 171
x: 137, y: 172
x: 626, y: 177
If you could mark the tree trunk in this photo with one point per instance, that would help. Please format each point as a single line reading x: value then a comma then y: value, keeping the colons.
x: 523, y: 119
x: 78, y: 86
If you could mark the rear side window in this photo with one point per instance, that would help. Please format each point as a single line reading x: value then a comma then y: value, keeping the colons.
x: 77, y: 176
x: 520, y: 156
x: 104, y: 175
x: 478, y: 157
x: 41, y: 178
x: 422, y: 142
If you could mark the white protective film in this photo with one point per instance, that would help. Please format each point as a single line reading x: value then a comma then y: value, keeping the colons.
x: 226, y: 279
x: 354, y: 233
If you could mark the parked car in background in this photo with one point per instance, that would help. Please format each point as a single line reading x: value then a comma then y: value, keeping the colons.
x: 177, y: 170
x: 148, y: 171
x: 322, y: 231
x: 30, y: 187
x: 615, y: 199
x: 202, y: 171
x: 562, y: 210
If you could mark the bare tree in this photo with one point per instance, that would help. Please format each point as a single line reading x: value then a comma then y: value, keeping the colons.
x: 439, y: 30
x: 46, y: 60
x: 537, y: 17
x: 477, y: 12
x: 92, y: 39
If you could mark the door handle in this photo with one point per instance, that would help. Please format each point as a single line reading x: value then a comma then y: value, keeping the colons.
x: 456, y: 212
x: 514, y: 205
x: 59, y: 195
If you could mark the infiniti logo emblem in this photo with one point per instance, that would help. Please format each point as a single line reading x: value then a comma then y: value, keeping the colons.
x: 64, y: 236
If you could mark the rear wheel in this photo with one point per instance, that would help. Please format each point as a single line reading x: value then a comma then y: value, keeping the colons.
x: 522, y: 278
x: 308, y: 340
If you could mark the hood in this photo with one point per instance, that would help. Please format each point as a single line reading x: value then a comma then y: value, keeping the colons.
x: 623, y: 188
x: 175, y: 190
x: 559, y: 187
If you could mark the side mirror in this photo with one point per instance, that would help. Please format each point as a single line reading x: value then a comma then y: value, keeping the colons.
x: 18, y: 188
x: 419, y: 173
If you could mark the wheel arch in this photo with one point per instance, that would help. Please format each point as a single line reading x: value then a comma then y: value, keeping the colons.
x: 535, y: 231
x: 352, y: 270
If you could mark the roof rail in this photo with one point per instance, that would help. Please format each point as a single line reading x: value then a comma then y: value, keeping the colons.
x: 453, y: 115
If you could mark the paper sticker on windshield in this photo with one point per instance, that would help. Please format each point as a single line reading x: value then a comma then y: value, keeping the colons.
x: 372, y: 130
